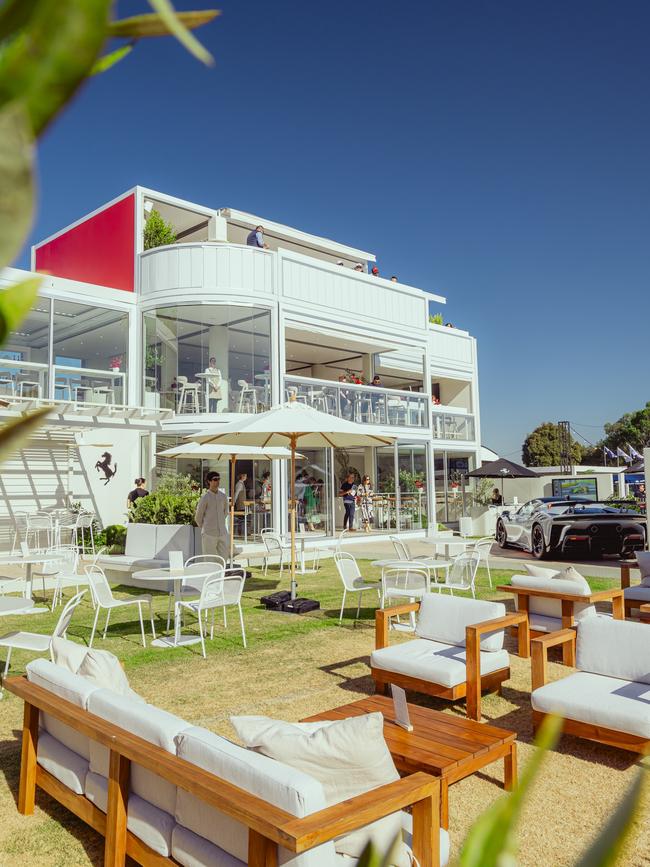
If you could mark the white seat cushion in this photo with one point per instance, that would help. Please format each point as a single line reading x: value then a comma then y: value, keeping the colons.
x: 148, y: 722
x: 615, y: 648
x: 643, y: 559
x: 637, y: 593
x: 444, y: 664
x: 286, y: 787
x: 348, y: 756
x: 151, y: 825
x: 553, y: 607
x: 64, y: 764
x: 593, y: 698
x: 445, y: 618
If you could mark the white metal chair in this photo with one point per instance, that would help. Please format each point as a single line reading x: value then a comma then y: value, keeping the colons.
x: 104, y: 599
x: 63, y: 386
x: 192, y: 586
x: 30, y: 385
x: 188, y: 400
x: 85, y: 521
x: 20, y: 530
x: 329, y: 550
x: 274, y: 547
x: 84, y: 391
x: 404, y: 553
x: 353, y: 582
x: 8, y: 384
x: 39, y: 531
x: 104, y: 394
x: 36, y: 642
x: 410, y: 581
x: 484, y: 548
x: 217, y: 592
x: 247, y: 397
x: 62, y: 569
x: 462, y: 575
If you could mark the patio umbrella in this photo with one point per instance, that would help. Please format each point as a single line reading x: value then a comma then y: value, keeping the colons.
x: 502, y: 469
x: 233, y: 454
x: 291, y: 424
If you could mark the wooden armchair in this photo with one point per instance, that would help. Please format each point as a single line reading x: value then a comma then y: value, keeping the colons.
x: 566, y: 603
x: 444, y: 673
x: 269, y: 827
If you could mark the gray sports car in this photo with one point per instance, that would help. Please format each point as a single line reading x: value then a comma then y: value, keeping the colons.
x: 550, y: 525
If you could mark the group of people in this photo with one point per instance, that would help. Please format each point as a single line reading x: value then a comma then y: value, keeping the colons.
x: 357, y: 494
x: 309, y: 497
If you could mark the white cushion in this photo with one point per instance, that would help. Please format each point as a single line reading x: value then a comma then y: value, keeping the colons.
x: 151, y: 825
x: 445, y: 847
x: 539, y: 571
x: 637, y: 593
x: 553, y: 607
x: 598, y: 700
x: 148, y: 722
x: 68, y: 654
x: 72, y: 688
x: 444, y: 618
x: 103, y: 669
x: 643, y: 559
x: 174, y: 538
x: 348, y: 756
x: 616, y: 648
x: 570, y: 573
x: 64, y: 764
x: 140, y: 541
x: 285, y: 787
x: 444, y: 664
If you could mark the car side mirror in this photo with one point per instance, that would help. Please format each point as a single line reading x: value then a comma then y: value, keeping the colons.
x: 505, y: 514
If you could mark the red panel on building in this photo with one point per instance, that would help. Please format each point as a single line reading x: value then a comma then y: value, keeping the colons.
x: 99, y: 250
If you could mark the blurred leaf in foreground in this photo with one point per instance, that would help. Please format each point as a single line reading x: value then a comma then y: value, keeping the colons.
x: 176, y: 27
x: 16, y: 184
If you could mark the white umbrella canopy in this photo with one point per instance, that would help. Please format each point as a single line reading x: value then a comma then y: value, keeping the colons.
x: 292, y: 424
x: 233, y: 454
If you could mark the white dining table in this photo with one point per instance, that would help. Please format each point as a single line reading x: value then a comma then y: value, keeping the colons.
x: 303, y: 537
x: 451, y: 544
x: 175, y: 577
x: 29, y: 560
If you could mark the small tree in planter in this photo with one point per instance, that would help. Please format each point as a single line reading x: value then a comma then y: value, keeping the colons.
x: 173, y: 502
x: 158, y: 232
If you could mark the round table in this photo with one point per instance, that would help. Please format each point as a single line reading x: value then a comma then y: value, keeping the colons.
x: 176, y: 576
x: 449, y: 542
x: 29, y: 560
x: 11, y: 605
x: 303, y: 536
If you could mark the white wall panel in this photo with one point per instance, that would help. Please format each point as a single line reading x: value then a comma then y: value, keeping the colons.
x: 451, y: 349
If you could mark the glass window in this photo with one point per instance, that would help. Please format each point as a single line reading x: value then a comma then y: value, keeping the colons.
x: 25, y: 355
x: 412, y: 466
x: 313, y: 481
x: 89, y: 353
x: 208, y: 358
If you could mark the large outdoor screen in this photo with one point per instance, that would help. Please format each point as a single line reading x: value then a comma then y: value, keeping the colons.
x: 586, y: 487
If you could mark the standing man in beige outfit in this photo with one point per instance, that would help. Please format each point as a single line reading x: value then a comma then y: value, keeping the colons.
x: 210, y: 516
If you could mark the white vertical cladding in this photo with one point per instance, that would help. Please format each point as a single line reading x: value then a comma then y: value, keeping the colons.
x: 451, y: 348
x: 476, y: 406
x: 313, y: 284
x: 215, y: 268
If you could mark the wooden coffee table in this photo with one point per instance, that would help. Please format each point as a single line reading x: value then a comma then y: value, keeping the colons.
x: 443, y: 745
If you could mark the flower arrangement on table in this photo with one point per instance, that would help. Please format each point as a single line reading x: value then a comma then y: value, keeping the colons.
x: 353, y: 377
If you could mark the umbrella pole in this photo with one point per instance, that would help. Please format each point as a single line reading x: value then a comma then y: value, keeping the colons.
x: 292, y: 518
x: 233, y: 461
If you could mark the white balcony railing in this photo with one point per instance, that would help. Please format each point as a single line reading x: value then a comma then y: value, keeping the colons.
x: 361, y: 403
x: 453, y: 425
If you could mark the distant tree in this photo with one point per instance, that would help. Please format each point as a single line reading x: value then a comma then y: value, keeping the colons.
x: 631, y: 429
x: 158, y: 232
x: 541, y: 448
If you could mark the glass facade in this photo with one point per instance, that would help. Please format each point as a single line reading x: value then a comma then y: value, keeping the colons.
x: 89, y: 353
x: 208, y: 358
x: 452, y: 488
x: 24, y: 358
x: 412, y: 468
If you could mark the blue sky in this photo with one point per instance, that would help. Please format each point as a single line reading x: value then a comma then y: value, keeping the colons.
x: 493, y: 152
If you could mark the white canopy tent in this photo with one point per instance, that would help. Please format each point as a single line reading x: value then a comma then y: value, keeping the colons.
x: 292, y: 424
x: 233, y: 454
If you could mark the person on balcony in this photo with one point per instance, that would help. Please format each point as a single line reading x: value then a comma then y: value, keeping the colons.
x: 345, y: 398
x: 376, y: 400
x: 210, y: 517
x: 256, y: 238
x: 365, y: 493
x: 348, y: 492
x: 358, y: 267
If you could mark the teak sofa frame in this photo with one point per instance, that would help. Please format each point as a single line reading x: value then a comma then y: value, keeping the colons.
x: 476, y: 683
x: 589, y: 731
x: 568, y: 601
x: 268, y: 826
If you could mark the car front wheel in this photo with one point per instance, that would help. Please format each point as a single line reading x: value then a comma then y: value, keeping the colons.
x: 502, y: 536
x: 539, y: 543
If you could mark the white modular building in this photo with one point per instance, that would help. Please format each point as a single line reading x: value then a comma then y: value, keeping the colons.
x: 136, y: 348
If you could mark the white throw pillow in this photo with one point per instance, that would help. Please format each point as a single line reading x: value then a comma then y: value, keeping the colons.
x: 571, y: 574
x: 68, y: 654
x: 348, y: 757
x: 104, y: 669
x: 643, y: 559
x: 540, y: 571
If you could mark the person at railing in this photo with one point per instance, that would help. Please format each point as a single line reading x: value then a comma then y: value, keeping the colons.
x: 376, y: 400
x: 365, y: 494
x: 345, y: 398
x: 358, y: 267
x: 375, y: 271
x: 348, y: 492
x: 256, y: 238
x: 394, y: 279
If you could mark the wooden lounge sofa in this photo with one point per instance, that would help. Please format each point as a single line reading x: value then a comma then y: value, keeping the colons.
x: 147, y: 781
x: 458, y: 652
x: 555, y: 603
x: 606, y: 700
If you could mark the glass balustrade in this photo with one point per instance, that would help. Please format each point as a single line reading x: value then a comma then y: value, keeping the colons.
x: 453, y: 426
x: 360, y: 403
